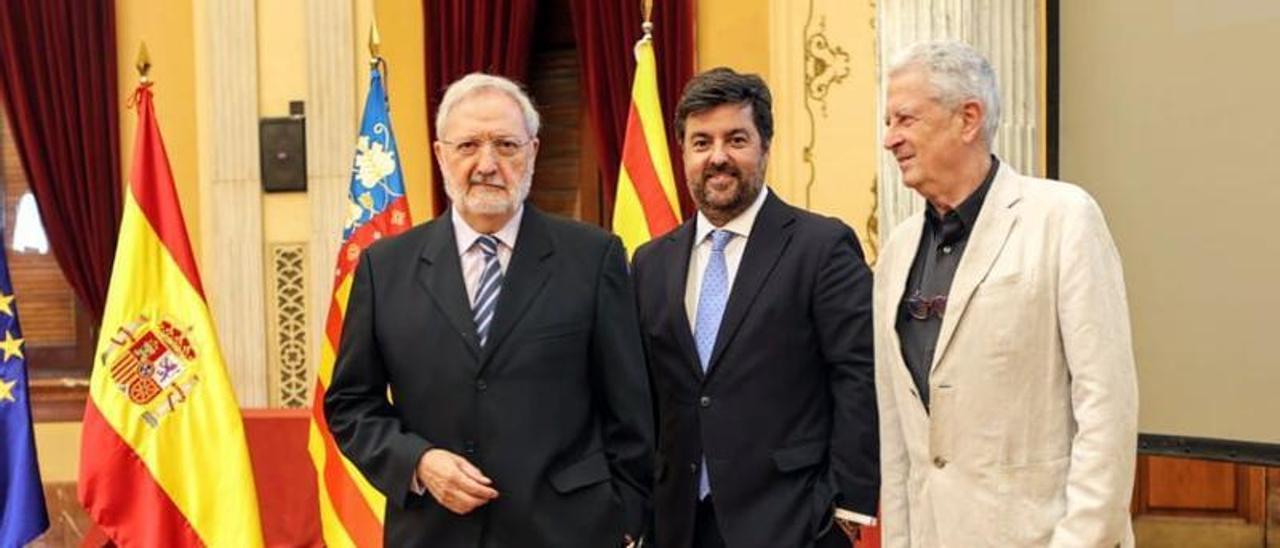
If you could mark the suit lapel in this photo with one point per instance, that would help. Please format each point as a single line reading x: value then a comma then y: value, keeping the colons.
x: 440, y: 274
x: 681, y: 245
x: 525, y: 277
x: 989, y: 235
x: 769, y: 237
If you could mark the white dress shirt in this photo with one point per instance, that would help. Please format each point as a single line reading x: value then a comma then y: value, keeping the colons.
x: 741, y: 227
x: 473, y: 258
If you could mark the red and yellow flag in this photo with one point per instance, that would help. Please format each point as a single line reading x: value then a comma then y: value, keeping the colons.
x: 351, y: 508
x: 646, y: 204
x: 163, y: 455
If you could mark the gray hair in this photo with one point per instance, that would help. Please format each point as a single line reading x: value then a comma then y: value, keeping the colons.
x: 958, y: 73
x: 478, y: 82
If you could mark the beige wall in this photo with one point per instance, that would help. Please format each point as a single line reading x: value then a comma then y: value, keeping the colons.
x: 282, y: 77
x: 167, y: 29
x: 733, y: 33
x: 1169, y: 118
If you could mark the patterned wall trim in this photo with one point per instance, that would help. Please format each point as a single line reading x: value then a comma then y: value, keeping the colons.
x: 288, y: 313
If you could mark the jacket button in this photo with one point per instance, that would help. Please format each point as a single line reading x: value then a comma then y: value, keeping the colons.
x: 481, y: 385
x: 939, y: 462
x: 693, y: 467
x: 469, y: 447
x: 704, y: 401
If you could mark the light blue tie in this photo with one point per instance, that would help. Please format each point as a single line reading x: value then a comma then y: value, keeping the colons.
x: 486, y: 300
x: 712, y: 297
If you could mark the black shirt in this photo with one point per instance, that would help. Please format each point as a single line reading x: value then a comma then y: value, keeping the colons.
x: 942, y: 243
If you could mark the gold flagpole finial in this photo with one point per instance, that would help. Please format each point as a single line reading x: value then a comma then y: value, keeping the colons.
x: 647, y: 7
x: 375, y: 43
x: 144, y: 62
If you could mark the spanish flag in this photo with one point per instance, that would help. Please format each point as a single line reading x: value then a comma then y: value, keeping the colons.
x: 646, y: 204
x: 350, y: 507
x: 163, y: 456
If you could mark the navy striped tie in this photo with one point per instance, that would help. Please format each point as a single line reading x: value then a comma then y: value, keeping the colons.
x: 486, y: 300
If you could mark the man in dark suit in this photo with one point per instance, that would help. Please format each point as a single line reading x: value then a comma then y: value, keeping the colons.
x: 519, y: 410
x: 757, y: 321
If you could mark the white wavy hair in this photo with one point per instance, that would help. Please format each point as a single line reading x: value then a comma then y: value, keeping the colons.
x: 958, y: 72
x: 477, y: 82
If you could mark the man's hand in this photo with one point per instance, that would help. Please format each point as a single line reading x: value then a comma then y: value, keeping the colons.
x: 455, y: 483
x: 850, y: 529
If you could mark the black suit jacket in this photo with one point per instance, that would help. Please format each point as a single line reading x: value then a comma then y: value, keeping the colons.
x: 786, y: 414
x: 555, y: 408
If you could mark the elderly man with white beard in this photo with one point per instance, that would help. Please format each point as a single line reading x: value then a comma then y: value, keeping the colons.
x: 519, y: 411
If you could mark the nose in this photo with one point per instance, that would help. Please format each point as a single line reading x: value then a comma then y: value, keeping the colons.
x: 719, y: 155
x: 892, y: 139
x: 486, y: 160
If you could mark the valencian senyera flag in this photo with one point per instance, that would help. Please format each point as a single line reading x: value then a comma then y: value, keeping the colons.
x: 646, y: 204
x: 22, y: 512
x: 351, y: 509
x: 163, y: 460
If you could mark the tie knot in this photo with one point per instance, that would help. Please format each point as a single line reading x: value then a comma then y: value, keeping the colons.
x: 488, y: 244
x: 719, y: 239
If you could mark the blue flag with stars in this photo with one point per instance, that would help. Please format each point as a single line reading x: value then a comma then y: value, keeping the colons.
x: 23, y: 516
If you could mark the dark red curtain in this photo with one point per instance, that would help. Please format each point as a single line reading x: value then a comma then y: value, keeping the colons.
x: 464, y: 36
x: 606, y: 33
x: 58, y: 81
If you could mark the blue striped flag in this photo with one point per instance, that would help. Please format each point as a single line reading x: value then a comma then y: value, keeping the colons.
x: 23, y: 516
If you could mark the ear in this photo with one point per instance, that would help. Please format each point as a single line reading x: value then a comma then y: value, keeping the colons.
x: 437, y: 150
x: 972, y: 118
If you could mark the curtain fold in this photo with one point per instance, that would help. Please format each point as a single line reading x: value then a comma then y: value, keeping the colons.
x: 58, y: 84
x: 605, y: 33
x: 494, y: 36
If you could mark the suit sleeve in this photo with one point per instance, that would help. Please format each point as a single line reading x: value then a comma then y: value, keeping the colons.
x: 621, y: 387
x: 842, y: 316
x: 364, y: 423
x: 895, y: 520
x: 1094, y: 323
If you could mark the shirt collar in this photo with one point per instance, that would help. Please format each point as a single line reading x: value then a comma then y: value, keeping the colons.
x: 967, y: 211
x: 466, y: 236
x: 739, y: 226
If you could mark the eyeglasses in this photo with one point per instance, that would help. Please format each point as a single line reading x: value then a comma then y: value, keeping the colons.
x: 505, y: 147
x: 922, y: 308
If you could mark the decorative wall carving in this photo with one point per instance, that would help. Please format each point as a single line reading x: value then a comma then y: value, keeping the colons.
x: 289, y: 341
x: 822, y: 74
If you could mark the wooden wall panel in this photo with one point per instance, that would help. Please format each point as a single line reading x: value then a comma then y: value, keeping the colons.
x: 46, y: 303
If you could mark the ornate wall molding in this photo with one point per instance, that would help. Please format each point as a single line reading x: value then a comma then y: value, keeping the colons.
x: 289, y: 341
x: 822, y: 56
x: 230, y: 196
x: 1004, y: 30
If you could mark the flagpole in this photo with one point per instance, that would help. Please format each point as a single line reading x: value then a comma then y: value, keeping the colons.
x: 375, y: 44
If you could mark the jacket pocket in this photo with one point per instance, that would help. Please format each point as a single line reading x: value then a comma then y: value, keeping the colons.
x: 800, y: 456
x: 588, y: 470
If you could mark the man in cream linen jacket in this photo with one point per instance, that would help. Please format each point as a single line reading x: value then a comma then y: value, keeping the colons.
x: 1004, y: 368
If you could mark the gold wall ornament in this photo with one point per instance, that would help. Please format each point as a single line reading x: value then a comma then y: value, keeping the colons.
x: 825, y: 65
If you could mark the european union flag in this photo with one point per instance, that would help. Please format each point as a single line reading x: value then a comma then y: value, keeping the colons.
x: 23, y: 516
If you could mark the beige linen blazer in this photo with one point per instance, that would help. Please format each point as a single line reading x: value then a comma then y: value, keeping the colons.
x: 1031, y: 431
